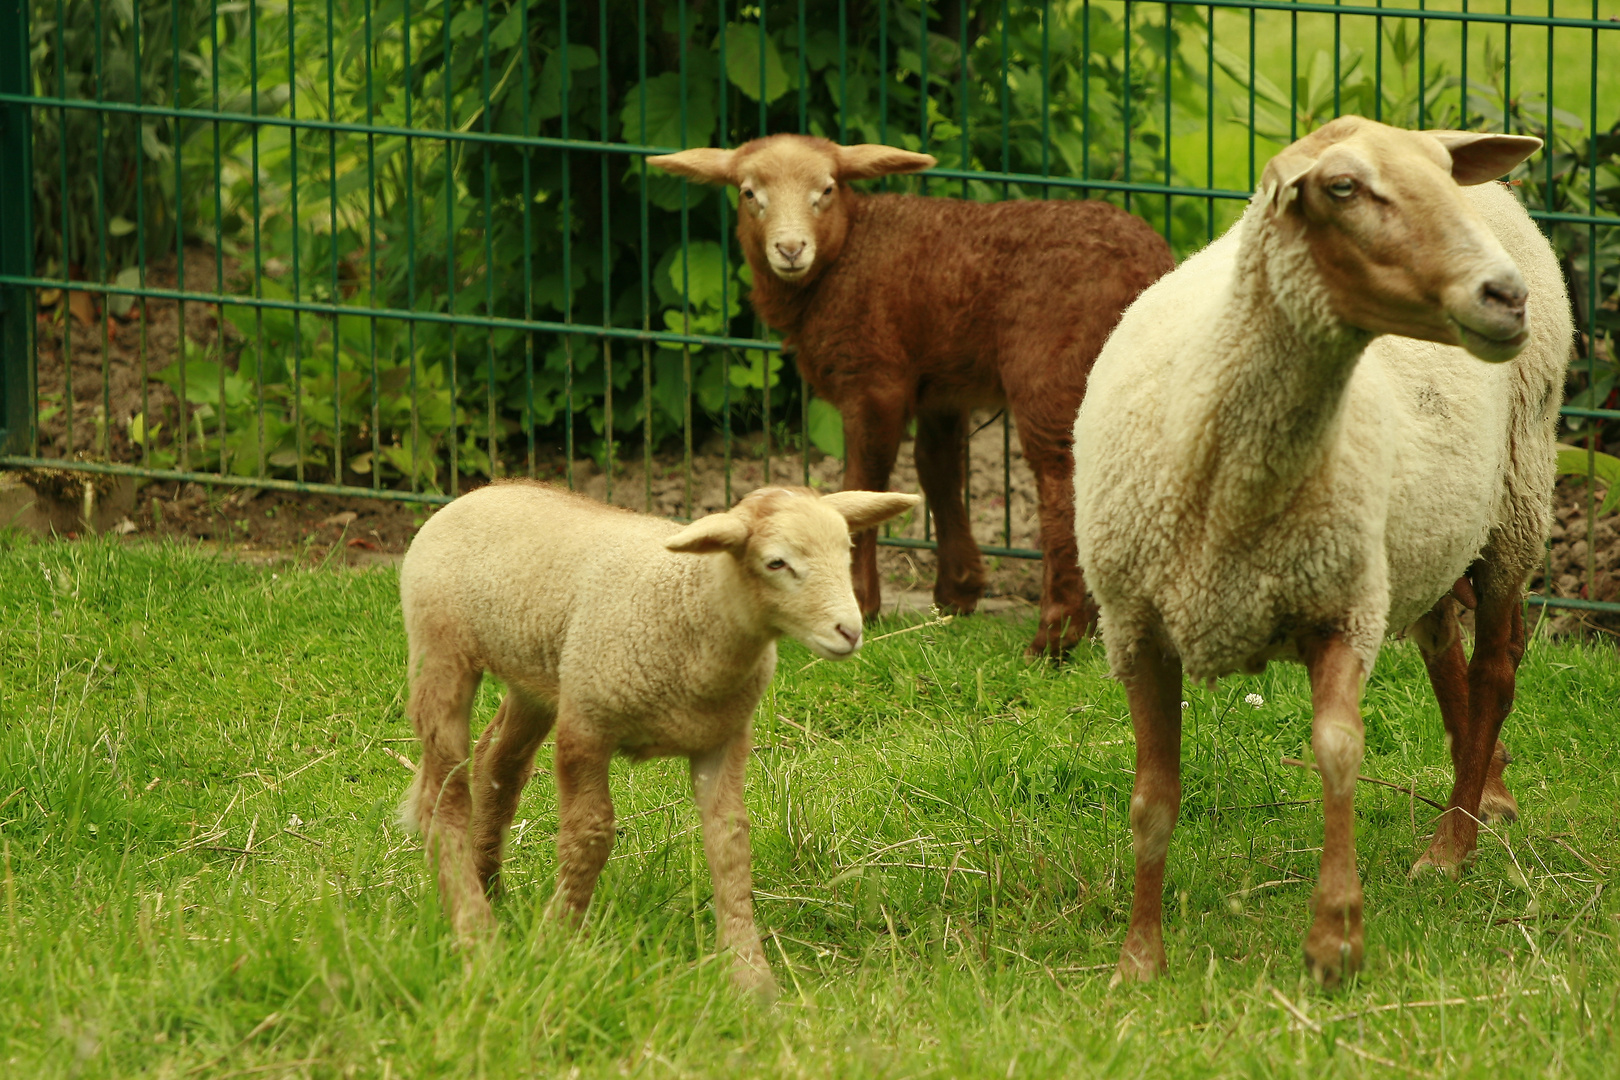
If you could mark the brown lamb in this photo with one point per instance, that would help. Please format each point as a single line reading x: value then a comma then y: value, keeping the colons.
x: 902, y: 308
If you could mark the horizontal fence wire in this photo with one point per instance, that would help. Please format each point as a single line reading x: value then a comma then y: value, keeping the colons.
x: 381, y: 250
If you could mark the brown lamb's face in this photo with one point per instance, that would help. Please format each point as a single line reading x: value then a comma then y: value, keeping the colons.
x: 789, y: 191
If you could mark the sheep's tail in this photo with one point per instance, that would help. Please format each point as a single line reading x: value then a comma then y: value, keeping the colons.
x: 408, y: 806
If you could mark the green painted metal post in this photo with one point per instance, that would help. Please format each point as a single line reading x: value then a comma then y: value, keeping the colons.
x: 16, y: 235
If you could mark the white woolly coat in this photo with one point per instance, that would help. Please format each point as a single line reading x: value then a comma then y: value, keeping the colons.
x: 1242, y: 475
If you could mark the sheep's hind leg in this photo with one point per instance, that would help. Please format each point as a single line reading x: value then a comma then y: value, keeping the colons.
x: 1067, y: 613
x: 941, y: 469
x: 717, y: 785
x: 584, y: 814
x: 1333, y: 947
x: 1477, y: 754
x: 1153, y: 688
x: 503, y: 764
x: 439, y: 802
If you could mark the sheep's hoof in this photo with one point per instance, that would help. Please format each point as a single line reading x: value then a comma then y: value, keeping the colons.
x: 1140, y: 962
x: 1498, y: 807
x: 755, y: 981
x: 1441, y: 859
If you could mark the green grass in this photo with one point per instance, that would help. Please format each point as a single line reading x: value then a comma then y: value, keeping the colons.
x: 941, y: 861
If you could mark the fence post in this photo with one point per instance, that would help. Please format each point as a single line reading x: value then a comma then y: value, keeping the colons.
x: 16, y: 234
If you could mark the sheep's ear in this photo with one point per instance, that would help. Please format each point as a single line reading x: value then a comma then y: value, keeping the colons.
x: 717, y: 532
x: 864, y: 509
x: 704, y: 163
x: 866, y: 160
x: 1279, y: 184
x: 1478, y: 156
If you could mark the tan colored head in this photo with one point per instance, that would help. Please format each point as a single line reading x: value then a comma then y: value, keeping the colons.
x: 1398, y: 248
x: 792, y: 547
x: 792, y: 211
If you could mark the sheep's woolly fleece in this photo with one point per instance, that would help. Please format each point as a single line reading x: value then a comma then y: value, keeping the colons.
x: 1200, y: 526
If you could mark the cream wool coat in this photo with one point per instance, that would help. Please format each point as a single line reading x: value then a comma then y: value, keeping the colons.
x: 1247, y: 467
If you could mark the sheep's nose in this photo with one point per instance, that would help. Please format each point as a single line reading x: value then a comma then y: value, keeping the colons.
x: 1505, y: 292
x: 791, y: 252
x: 851, y: 636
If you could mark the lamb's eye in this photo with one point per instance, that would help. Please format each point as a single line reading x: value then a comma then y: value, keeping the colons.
x: 748, y: 194
x: 827, y: 192
x: 776, y: 564
x: 1341, y: 187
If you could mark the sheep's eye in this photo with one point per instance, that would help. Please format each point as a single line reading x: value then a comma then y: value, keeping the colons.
x: 776, y: 564
x: 1342, y: 187
x: 748, y: 194
x: 827, y: 192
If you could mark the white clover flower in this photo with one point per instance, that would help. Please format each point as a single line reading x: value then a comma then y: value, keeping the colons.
x: 1254, y: 699
x: 1186, y: 704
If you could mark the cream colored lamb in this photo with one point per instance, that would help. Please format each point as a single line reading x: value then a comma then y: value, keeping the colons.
x: 629, y: 634
x: 1286, y: 451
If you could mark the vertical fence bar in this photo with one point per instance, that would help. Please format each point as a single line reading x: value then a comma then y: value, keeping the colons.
x: 646, y: 247
x: 528, y: 238
x: 608, y: 451
x: 17, y: 413
x: 219, y: 225
x: 724, y: 139
x: 1594, y: 425
x: 761, y: 331
x: 489, y: 246
x: 450, y: 256
x: 336, y: 296
x: 371, y: 255
x: 66, y: 306
x: 300, y: 444
x: 410, y: 253
x: 105, y: 317
x: 686, y: 274
x: 140, y: 242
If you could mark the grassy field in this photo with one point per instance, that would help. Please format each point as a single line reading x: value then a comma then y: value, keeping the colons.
x: 203, y: 877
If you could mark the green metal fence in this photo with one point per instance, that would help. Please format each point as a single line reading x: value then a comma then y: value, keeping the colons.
x: 393, y: 249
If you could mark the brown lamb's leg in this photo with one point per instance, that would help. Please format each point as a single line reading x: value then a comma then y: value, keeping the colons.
x: 440, y: 707
x: 1333, y: 946
x: 503, y: 763
x: 717, y: 785
x: 1153, y: 688
x: 941, y: 444
x: 584, y: 814
x: 1477, y: 754
x: 1067, y: 613
x: 872, y: 431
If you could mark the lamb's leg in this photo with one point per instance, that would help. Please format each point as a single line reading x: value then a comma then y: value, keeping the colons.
x: 1153, y: 688
x: 1333, y: 947
x: 941, y: 442
x: 872, y: 432
x: 717, y: 784
x: 503, y: 763
x: 1067, y: 613
x: 1477, y: 754
x: 584, y: 814
x: 438, y: 803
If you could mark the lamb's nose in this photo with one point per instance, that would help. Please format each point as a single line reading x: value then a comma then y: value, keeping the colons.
x: 791, y: 252
x: 851, y: 636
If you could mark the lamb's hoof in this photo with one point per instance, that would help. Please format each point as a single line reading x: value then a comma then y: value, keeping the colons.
x: 474, y: 925
x: 1440, y: 859
x: 756, y: 982
x: 1139, y: 962
x: 1498, y: 807
x: 1333, y: 952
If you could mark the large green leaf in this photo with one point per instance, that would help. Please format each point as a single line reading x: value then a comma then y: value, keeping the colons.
x: 1598, y: 466
x: 826, y: 428
x: 663, y: 115
x: 742, y: 62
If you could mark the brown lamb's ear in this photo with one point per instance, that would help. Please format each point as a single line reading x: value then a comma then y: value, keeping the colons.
x: 864, y: 509
x: 867, y: 160
x: 705, y: 164
x: 717, y: 532
x: 1478, y: 156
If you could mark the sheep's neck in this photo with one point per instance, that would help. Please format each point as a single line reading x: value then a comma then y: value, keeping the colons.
x: 723, y: 620
x: 1275, y: 399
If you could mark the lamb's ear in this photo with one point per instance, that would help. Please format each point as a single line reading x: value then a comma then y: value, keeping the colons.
x: 1279, y: 184
x: 1478, y: 156
x: 717, y: 532
x: 864, y: 509
x: 866, y: 160
x: 704, y: 163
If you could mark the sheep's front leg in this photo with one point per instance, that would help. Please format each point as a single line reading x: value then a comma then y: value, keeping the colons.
x: 1477, y: 754
x: 1067, y: 613
x: 1153, y: 688
x: 1333, y: 947
x: 941, y: 469
x: 439, y: 803
x: 717, y: 785
x: 872, y: 431
x: 503, y: 764
x: 584, y: 814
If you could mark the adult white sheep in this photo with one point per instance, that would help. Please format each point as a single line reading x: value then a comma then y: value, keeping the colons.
x: 1266, y: 471
x: 628, y: 634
